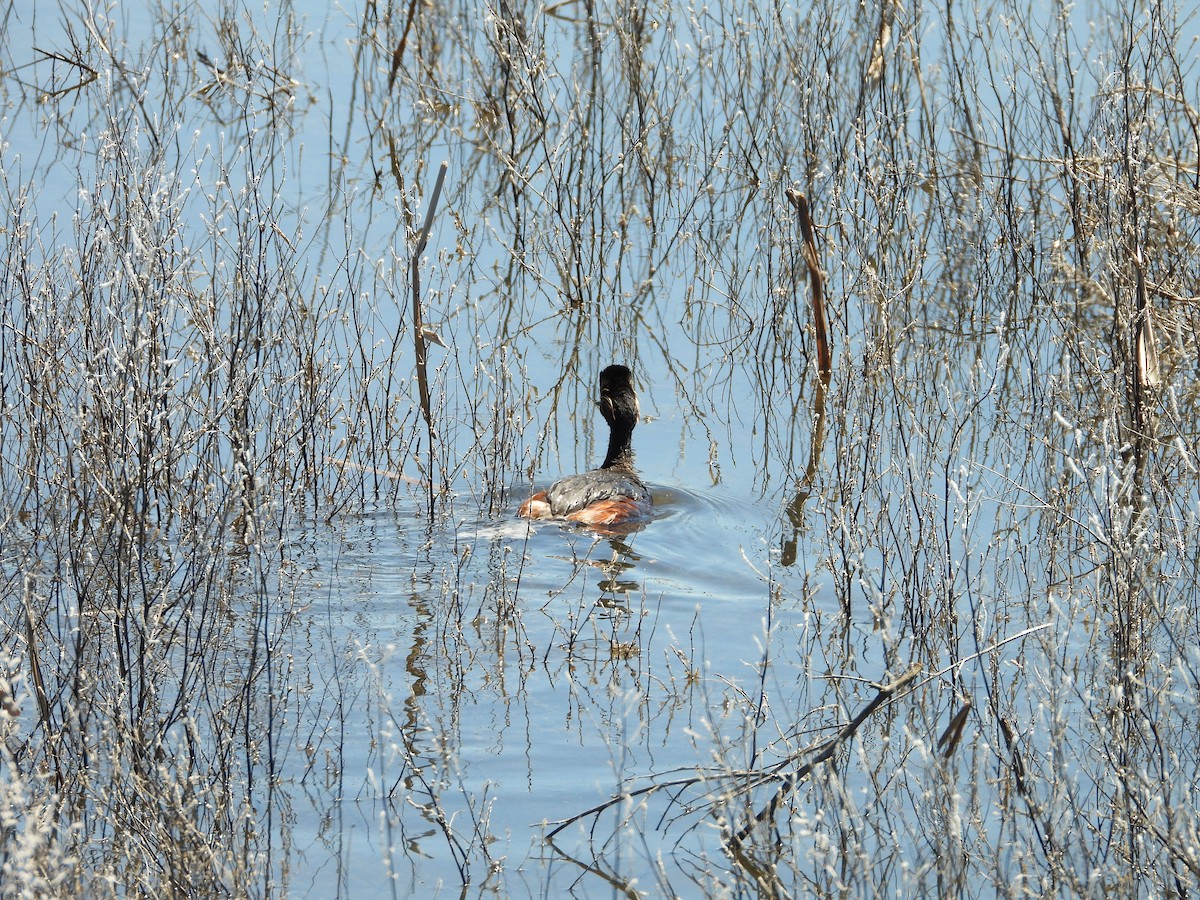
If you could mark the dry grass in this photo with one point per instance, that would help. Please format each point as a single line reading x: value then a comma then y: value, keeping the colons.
x: 205, y: 337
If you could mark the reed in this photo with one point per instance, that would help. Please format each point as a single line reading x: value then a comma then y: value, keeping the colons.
x: 220, y: 409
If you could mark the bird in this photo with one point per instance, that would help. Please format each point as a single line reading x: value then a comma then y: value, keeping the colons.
x: 612, y: 494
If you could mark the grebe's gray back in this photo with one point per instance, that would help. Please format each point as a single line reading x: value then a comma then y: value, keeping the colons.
x: 613, y: 493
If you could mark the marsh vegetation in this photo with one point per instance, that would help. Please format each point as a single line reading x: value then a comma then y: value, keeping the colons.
x: 921, y: 617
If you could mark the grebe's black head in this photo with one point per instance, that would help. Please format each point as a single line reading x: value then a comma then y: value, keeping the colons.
x: 619, y: 406
x: 618, y: 400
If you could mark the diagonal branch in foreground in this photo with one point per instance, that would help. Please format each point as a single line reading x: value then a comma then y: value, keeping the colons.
x: 886, y: 692
x: 790, y: 782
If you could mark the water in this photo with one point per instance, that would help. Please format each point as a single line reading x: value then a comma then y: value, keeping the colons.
x: 551, y: 665
x: 283, y: 669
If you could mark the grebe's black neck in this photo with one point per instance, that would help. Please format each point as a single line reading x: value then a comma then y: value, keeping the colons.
x: 620, y: 449
x: 619, y: 406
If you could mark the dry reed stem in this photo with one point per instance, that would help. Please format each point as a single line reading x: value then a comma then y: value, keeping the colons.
x: 419, y: 344
x: 35, y: 665
x: 882, y: 39
x: 951, y: 737
x: 817, y: 277
x: 398, y: 53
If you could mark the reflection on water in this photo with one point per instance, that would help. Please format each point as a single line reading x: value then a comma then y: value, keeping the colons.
x: 924, y: 624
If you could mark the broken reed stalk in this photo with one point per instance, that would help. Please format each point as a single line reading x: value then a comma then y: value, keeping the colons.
x: 398, y: 53
x: 795, y: 509
x: 1145, y: 371
x: 817, y: 278
x: 418, y: 328
x: 35, y: 665
x: 883, y: 37
x: 35, y: 671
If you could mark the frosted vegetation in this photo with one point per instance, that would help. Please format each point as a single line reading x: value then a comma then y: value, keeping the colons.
x: 976, y: 594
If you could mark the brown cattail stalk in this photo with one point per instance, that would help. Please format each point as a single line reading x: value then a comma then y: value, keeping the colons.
x: 418, y: 330
x: 817, y: 278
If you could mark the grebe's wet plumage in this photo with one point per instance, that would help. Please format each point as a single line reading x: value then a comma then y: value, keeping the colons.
x: 613, y: 493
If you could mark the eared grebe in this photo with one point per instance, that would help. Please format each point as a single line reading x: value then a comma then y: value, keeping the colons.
x: 613, y: 493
